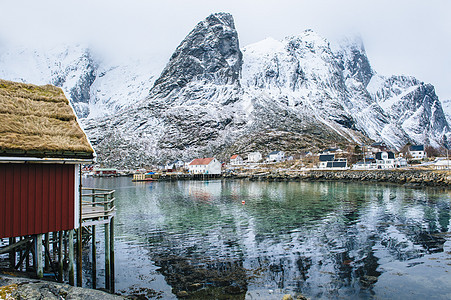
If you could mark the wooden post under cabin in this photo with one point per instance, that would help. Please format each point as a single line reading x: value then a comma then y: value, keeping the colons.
x: 94, y: 258
x: 107, y: 257
x: 38, y: 256
x: 12, y: 253
x: 60, y: 256
x: 71, y: 258
x: 112, y: 254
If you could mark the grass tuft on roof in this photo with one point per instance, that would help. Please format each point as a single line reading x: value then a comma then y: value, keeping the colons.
x: 39, y: 119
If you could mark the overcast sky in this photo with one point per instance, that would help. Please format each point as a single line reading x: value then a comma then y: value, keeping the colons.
x: 411, y: 37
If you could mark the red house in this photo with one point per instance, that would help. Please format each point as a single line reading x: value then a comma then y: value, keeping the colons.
x: 42, y: 148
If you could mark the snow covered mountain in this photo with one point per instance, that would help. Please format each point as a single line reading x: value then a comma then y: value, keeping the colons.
x: 294, y: 95
x: 94, y: 86
x: 213, y: 98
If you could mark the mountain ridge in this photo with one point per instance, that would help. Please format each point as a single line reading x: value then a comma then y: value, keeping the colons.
x: 213, y: 98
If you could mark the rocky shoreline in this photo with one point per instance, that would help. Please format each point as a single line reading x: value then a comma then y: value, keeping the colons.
x: 25, y: 288
x: 406, y: 177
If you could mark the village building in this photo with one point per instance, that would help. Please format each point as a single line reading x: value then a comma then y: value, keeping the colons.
x: 206, y: 166
x: 42, y: 150
x: 254, y: 157
x: 276, y: 156
x: 385, y: 160
x: 333, y: 151
x: 378, y: 147
x: 236, y: 160
x: 417, y: 152
x: 442, y: 163
x: 174, y: 166
x: 328, y: 161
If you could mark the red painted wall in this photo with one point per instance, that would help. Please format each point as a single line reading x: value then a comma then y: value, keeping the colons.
x: 36, y: 198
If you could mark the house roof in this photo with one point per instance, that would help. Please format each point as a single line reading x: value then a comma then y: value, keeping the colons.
x: 201, y: 161
x: 326, y: 157
x: 38, y: 121
x: 417, y: 148
x: 274, y: 152
x: 234, y: 156
x: 390, y: 155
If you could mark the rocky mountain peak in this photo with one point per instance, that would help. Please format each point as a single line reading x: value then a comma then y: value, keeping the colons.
x: 356, y: 64
x: 210, y: 53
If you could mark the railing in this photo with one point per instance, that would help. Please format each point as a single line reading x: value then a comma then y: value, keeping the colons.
x: 97, y: 206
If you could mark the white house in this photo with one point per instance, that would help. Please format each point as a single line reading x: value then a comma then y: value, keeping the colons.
x: 328, y: 161
x: 254, y: 157
x: 208, y: 165
x: 385, y: 160
x: 236, y: 160
x: 417, y: 151
x: 442, y: 163
x: 276, y: 156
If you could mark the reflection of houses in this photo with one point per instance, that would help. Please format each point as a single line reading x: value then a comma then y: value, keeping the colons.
x: 276, y: 156
x: 208, y: 165
x: 236, y: 160
x: 328, y: 161
x: 417, y: 151
x: 254, y: 157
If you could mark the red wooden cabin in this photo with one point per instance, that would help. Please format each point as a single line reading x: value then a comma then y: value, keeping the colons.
x: 42, y: 148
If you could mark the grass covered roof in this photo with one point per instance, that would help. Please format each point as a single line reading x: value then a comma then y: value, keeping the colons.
x: 38, y: 121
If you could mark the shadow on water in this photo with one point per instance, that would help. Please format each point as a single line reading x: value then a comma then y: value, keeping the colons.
x: 239, y: 239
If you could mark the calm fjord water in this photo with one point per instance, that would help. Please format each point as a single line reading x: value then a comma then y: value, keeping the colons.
x: 238, y: 239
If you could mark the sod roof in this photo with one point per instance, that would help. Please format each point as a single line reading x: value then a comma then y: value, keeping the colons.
x: 38, y: 121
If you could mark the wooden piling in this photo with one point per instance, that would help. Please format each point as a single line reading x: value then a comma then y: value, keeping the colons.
x: 112, y: 253
x: 71, y: 257
x: 107, y: 258
x: 46, y: 258
x: 12, y: 253
x: 38, y: 256
x: 94, y: 257
x: 60, y: 256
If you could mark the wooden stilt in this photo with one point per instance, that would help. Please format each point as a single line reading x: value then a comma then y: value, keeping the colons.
x: 112, y: 254
x: 79, y: 257
x: 107, y: 258
x: 71, y: 257
x: 80, y: 230
x: 12, y: 253
x: 38, y: 256
x: 46, y: 246
x: 55, y: 245
x: 60, y: 256
x: 94, y: 257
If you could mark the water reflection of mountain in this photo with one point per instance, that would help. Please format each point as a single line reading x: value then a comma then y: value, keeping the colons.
x: 324, y: 240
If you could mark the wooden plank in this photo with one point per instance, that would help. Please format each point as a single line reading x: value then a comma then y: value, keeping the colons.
x: 16, y: 245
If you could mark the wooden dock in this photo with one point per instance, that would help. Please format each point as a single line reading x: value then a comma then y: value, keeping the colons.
x: 98, y: 209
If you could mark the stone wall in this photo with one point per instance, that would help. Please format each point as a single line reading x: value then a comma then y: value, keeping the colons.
x: 411, y: 177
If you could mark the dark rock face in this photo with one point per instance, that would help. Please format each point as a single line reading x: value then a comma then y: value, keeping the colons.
x: 210, y: 53
x: 357, y: 63
x: 80, y: 93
